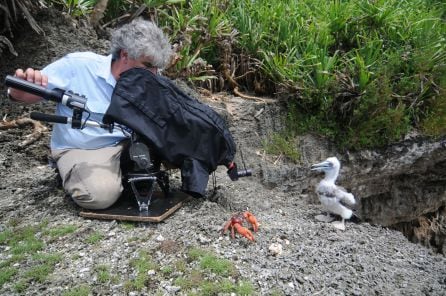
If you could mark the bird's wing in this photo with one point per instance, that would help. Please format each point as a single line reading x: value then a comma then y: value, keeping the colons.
x: 344, y: 196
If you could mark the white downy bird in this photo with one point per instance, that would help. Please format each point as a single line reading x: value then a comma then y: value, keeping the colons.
x: 335, y: 199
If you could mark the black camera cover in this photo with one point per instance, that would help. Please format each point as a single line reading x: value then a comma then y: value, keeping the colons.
x: 183, y: 131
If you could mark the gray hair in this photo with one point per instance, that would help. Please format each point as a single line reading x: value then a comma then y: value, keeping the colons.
x: 142, y: 38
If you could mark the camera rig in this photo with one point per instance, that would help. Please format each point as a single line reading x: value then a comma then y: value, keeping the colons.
x: 144, y: 171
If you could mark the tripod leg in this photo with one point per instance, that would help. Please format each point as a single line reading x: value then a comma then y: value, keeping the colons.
x: 143, y: 197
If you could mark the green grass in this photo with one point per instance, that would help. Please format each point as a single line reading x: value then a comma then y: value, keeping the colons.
x: 13, y: 259
x: 21, y: 285
x: 141, y: 264
x: 22, y: 240
x: 199, y: 272
x: 83, y: 290
x: 103, y: 274
x: 94, y: 238
x: 210, y: 262
x: 127, y: 225
x: 221, y: 269
x: 6, y: 273
x: 48, y: 258
x: 27, y: 247
x: 167, y: 270
x: 61, y: 230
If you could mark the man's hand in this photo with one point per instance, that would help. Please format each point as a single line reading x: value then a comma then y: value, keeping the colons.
x: 30, y: 75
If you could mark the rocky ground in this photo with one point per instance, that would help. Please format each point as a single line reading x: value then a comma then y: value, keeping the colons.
x: 310, y: 258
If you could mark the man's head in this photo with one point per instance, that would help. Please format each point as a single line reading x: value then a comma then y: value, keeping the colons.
x: 140, y: 44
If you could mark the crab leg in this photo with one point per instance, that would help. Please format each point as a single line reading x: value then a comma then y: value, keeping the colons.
x: 244, y: 231
x: 252, y: 220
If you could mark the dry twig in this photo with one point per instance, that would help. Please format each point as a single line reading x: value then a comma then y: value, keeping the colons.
x: 38, y: 129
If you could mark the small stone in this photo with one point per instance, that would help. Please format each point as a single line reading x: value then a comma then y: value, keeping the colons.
x: 275, y: 249
x: 173, y: 289
x: 202, y: 239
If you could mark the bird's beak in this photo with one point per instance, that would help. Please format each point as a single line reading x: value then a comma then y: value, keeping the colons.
x: 321, y: 166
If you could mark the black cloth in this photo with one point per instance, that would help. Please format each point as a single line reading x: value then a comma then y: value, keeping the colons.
x: 182, y: 130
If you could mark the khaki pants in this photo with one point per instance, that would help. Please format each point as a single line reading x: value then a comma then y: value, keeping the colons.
x: 91, y: 177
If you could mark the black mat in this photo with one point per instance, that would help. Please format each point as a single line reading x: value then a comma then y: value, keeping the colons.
x: 126, y: 208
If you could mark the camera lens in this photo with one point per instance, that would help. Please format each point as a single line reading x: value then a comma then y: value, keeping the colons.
x: 244, y: 173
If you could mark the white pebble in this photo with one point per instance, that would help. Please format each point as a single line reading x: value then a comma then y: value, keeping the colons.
x: 275, y: 249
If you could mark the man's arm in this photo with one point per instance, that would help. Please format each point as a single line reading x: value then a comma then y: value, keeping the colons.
x: 30, y: 75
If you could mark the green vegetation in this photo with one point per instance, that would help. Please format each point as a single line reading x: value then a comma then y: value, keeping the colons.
x: 94, y: 238
x: 218, y: 266
x: 362, y: 73
x: 29, y: 261
x: 61, y: 230
x: 220, y: 269
x: 26, y: 245
x: 75, y: 7
x: 282, y: 144
x: 202, y: 273
x: 6, y: 274
x: 103, y: 274
x: 78, y: 291
x: 127, y: 225
x: 142, y: 264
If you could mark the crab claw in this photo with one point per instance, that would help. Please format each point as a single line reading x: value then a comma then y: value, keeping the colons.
x: 244, y: 232
x: 252, y: 220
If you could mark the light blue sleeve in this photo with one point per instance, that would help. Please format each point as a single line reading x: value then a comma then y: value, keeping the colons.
x: 60, y: 73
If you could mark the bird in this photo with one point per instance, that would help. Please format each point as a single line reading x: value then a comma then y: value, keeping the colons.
x: 334, y: 199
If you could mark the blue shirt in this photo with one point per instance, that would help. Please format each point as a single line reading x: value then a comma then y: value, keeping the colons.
x: 88, y: 74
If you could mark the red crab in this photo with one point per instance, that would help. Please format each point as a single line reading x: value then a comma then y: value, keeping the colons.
x: 236, y: 222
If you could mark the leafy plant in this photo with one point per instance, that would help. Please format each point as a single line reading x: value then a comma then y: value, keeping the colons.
x: 76, y: 8
x: 329, y: 57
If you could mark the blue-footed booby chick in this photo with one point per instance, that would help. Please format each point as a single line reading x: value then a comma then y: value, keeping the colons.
x: 334, y: 199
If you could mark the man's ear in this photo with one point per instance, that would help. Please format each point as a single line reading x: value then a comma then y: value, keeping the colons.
x: 124, y: 55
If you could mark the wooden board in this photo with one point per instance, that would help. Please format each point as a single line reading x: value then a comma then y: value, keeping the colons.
x: 126, y: 208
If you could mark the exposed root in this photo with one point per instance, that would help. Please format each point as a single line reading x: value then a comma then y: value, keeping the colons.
x: 5, y: 42
x: 266, y: 101
x: 98, y: 12
x: 429, y: 230
x: 38, y: 129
